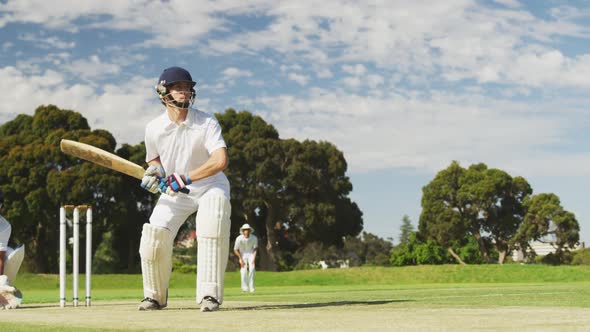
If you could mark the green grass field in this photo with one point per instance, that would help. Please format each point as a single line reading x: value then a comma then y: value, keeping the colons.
x: 447, y: 297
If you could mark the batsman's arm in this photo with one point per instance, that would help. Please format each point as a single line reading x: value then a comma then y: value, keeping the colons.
x: 217, y: 162
x: 156, y: 161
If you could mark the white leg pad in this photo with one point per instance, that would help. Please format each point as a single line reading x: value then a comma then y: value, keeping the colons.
x: 155, y: 250
x: 13, y: 261
x: 213, y: 225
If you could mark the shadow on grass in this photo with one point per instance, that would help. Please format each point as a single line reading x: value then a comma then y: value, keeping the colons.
x: 302, y: 305
x: 79, y: 307
x: 313, y: 305
x: 246, y: 308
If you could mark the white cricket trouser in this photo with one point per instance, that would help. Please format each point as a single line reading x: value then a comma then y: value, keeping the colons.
x: 247, y: 272
x: 172, y: 211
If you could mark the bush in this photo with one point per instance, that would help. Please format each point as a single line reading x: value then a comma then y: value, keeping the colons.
x: 415, y: 252
x: 366, y: 249
x: 581, y: 257
x: 178, y: 266
x: 554, y: 259
x: 469, y: 251
x: 310, y: 256
x: 430, y: 253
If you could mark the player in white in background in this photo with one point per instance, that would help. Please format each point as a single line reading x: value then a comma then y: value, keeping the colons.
x: 245, y: 249
x: 10, y: 261
x: 187, y: 145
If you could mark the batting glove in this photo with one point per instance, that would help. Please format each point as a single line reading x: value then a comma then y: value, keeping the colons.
x: 177, y: 182
x: 152, y: 178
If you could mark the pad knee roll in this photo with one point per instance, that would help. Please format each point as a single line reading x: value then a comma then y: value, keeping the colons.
x: 213, y: 225
x: 13, y: 262
x: 155, y: 250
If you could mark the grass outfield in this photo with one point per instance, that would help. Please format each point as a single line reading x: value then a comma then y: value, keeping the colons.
x: 447, y: 297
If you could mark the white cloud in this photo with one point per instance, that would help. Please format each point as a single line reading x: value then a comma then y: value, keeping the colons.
x: 359, y: 77
x: 172, y: 23
x: 333, y: 31
x: 232, y: 73
x: 121, y: 109
x: 324, y: 73
x: 299, y: 78
x: 286, y: 68
x: 46, y: 42
x: 352, y: 82
x: 509, y: 3
x: 426, y: 132
x: 364, y: 107
x: 211, y: 88
x: 392, y: 39
x: 93, y: 68
x: 257, y: 83
x: 374, y: 81
x: 356, y: 70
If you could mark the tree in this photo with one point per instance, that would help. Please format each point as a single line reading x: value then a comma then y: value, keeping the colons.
x: 299, y: 186
x: 405, y: 230
x: 36, y: 178
x: 445, y: 215
x: 547, y: 221
x: 486, y: 204
x: 497, y: 198
x: 366, y: 249
x: 293, y: 192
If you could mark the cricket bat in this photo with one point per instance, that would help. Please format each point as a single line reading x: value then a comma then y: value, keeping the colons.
x: 103, y: 158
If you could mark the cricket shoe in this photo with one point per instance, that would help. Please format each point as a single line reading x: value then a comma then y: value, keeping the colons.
x: 209, y: 304
x: 150, y: 304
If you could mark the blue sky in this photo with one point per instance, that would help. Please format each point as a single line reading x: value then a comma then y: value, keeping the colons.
x: 403, y: 88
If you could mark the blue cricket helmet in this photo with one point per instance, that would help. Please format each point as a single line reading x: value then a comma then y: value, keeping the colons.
x: 170, y: 76
x: 174, y: 75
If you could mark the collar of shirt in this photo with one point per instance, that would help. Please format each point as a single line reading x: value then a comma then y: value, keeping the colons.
x: 188, y: 122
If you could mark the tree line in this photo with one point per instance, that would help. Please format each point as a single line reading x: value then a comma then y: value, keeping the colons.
x: 479, y: 215
x: 294, y: 193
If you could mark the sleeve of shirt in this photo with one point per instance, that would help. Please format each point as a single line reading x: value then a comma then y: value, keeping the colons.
x: 151, y: 151
x: 237, y: 243
x: 214, y: 139
x: 5, y: 230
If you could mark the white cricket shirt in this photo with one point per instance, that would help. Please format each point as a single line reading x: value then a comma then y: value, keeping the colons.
x: 186, y: 146
x: 246, y: 245
x: 5, y: 230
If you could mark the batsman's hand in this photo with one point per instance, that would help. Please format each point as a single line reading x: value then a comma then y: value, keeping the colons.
x: 152, y: 178
x: 177, y: 182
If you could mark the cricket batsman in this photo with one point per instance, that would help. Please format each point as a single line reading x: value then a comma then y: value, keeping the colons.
x: 185, y: 150
x: 245, y: 249
x: 10, y: 261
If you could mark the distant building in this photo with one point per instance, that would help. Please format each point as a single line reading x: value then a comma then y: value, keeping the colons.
x: 340, y: 263
x: 542, y: 249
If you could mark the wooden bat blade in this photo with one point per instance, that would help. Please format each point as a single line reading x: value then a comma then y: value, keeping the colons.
x: 101, y: 157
